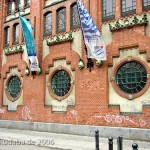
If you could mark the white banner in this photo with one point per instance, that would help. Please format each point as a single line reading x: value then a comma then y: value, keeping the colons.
x: 93, y: 40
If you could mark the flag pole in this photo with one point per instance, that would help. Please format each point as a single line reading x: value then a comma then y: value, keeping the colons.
x: 89, y: 63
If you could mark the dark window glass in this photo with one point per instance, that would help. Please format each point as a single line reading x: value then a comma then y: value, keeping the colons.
x: 6, y: 36
x: 146, y: 4
x: 108, y: 9
x: 16, y: 34
x: 9, y: 6
x: 14, y: 87
x: 131, y: 77
x: 22, y: 38
x: 17, y: 5
x: 128, y: 7
x: 48, y: 24
x: 27, y: 3
x: 61, y: 20
x: 75, y: 20
x: 60, y: 83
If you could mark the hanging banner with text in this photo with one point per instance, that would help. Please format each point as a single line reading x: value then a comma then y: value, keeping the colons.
x: 93, y: 40
x: 29, y: 41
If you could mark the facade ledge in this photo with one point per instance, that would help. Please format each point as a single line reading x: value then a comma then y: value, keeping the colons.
x: 13, y: 50
x: 59, y: 39
x: 128, y: 22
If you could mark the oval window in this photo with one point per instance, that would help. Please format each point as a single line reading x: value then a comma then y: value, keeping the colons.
x: 60, y: 83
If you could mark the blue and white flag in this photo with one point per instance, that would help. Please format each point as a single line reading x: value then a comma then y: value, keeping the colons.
x: 30, y: 46
x: 93, y: 40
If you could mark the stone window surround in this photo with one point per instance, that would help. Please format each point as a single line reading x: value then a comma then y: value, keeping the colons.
x: 118, y: 91
x: 6, y: 92
x: 71, y: 85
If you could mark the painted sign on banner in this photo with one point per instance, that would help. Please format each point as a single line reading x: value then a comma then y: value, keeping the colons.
x: 93, y: 40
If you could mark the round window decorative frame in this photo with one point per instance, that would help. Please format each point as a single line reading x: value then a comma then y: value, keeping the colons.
x: 53, y: 95
x: 119, y: 91
x: 6, y: 90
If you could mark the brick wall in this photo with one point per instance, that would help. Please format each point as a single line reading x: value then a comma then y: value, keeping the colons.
x: 91, y: 94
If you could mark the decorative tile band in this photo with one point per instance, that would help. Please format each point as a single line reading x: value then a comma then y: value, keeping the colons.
x: 10, y: 51
x: 59, y: 39
x: 120, y: 24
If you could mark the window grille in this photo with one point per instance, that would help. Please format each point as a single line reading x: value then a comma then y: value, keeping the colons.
x: 108, y: 9
x: 60, y: 83
x: 128, y: 7
x: 131, y: 77
x: 14, y: 87
x: 146, y: 4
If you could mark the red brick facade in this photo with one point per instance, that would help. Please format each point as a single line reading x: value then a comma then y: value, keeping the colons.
x: 92, y: 105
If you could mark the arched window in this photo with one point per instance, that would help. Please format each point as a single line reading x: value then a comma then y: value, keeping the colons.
x: 16, y: 34
x: 61, y: 20
x: 75, y: 20
x: 9, y: 6
x: 14, y: 87
x: 6, y: 36
x: 48, y: 23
